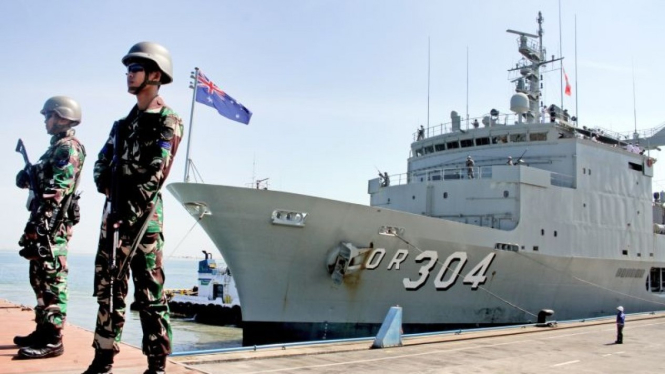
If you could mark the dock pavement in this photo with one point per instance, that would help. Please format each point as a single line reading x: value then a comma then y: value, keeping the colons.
x: 585, y: 346
x: 19, y: 320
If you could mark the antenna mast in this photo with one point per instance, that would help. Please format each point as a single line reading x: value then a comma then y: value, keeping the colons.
x: 467, y: 86
x: 428, y: 80
x: 560, y: 54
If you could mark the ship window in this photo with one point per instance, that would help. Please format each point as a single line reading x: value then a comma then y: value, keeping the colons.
x: 452, y: 145
x: 466, y: 143
x: 624, y: 252
x: 634, y: 166
x: 514, y: 138
x: 413, y: 197
x: 445, y: 195
x: 589, y: 171
x: 419, y: 152
x: 429, y: 149
x: 439, y: 147
x: 535, y: 248
x: 555, y: 233
x: 541, y: 136
x: 583, y: 170
x: 542, y: 232
x: 482, y: 141
x: 505, y: 194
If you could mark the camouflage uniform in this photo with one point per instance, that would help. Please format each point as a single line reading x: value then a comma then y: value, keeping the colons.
x: 56, y: 173
x: 148, y: 140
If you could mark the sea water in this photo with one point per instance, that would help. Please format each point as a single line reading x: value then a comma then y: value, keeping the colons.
x: 82, y: 308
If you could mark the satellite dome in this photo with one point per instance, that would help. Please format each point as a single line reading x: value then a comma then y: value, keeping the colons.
x: 519, y: 103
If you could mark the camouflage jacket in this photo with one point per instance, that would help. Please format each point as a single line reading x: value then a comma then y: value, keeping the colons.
x: 56, y: 173
x: 147, y: 142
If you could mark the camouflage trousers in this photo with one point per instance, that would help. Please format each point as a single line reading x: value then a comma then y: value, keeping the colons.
x: 148, y: 276
x: 48, y: 278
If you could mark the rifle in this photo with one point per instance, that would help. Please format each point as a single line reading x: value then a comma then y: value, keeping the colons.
x: 113, y: 223
x: 42, y: 247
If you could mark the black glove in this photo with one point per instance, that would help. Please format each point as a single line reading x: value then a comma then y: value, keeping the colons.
x: 22, y: 179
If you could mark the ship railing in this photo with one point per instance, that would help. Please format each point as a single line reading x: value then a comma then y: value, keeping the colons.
x: 471, y: 123
x: 459, y: 173
x: 477, y: 172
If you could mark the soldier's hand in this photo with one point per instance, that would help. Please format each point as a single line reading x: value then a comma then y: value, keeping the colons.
x: 22, y: 179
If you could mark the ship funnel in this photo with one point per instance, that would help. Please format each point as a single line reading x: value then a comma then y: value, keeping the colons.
x: 519, y: 103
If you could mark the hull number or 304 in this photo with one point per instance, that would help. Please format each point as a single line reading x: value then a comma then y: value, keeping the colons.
x: 451, y: 267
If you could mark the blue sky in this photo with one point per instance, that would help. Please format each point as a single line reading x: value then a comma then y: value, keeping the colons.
x: 337, y: 88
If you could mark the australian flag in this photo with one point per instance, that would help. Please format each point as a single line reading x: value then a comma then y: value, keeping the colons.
x: 209, y: 94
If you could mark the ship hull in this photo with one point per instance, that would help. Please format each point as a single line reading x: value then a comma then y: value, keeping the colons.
x: 444, y: 274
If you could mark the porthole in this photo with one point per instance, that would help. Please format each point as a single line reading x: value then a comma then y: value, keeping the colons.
x: 413, y: 197
x: 505, y: 194
x: 445, y: 195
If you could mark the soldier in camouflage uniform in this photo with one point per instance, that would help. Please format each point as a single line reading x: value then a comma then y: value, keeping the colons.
x: 137, y: 156
x: 56, y: 176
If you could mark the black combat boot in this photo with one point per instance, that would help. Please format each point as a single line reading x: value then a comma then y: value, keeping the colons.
x: 30, y: 339
x: 102, y: 363
x: 156, y: 365
x: 50, y: 345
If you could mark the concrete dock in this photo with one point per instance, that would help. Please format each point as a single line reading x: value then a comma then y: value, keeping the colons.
x: 18, y: 320
x: 571, y: 347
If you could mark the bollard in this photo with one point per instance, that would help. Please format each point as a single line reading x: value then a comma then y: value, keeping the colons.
x: 390, y: 333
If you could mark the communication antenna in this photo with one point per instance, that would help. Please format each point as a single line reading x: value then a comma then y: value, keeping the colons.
x: 428, y: 80
x: 634, y: 102
x: 467, y: 87
x: 560, y: 54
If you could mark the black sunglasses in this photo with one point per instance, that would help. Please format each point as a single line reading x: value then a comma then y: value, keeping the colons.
x: 135, y: 68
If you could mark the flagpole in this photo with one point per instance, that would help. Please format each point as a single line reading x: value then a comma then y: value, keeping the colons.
x: 195, y: 76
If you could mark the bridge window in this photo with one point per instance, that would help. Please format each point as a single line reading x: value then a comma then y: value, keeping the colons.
x: 466, y: 143
x: 452, y: 145
x: 439, y: 147
x: 540, y: 136
x: 482, y: 141
x: 514, y: 138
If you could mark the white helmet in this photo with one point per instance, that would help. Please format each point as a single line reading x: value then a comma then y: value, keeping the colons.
x: 620, y: 308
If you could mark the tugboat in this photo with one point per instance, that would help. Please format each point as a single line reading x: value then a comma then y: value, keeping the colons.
x: 214, y: 300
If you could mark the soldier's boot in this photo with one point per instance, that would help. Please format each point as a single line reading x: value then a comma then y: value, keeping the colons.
x: 30, y: 339
x: 102, y: 363
x: 49, y: 346
x: 156, y: 365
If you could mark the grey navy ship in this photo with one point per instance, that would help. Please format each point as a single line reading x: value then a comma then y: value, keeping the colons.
x: 570, y: 226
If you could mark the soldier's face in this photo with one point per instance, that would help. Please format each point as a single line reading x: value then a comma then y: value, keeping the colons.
x: 54, y: 123
x: 135, y: 75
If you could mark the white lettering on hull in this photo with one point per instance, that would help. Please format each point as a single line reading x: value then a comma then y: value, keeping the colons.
x: 450, y: 270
